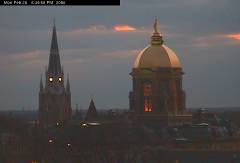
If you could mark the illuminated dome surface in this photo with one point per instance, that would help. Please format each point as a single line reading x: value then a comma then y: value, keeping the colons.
x: 157, y: 55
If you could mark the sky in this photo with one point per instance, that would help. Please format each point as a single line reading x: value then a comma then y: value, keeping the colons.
x: 98, y: 46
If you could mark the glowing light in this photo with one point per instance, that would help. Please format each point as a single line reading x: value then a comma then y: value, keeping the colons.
x: 94, y: 123
x: 50, y: 141
x: 147, y: 92
x: 84, y: 125
x: 234, y: 36
x: 124, y: 28
x: 148, y: 106
x: 68, y: 144
x: 50, y: 79
x: 146, y: 109
x: 59, y: 79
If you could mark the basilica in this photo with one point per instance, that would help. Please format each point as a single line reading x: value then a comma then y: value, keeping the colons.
x: 54, y: 97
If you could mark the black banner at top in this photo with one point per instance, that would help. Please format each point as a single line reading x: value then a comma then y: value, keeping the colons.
x: 59, y: 2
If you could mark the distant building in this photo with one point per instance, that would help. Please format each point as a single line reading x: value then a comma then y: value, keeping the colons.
x: 157, y: 83
x: 54, y: 98
x: 92, y: 113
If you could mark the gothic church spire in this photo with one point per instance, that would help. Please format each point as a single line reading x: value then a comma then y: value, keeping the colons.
x: 54, y: 65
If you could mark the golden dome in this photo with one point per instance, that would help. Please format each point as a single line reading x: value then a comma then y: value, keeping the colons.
x: 157, y: 55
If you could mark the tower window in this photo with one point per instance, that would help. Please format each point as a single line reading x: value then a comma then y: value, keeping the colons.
x: 147, y: 89
x: 50, y: 79
x: 59, y: 79
x: 147, y: 105
x: 147, y: 93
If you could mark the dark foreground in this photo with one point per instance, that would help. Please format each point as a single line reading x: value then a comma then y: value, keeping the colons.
x: 114, y: 140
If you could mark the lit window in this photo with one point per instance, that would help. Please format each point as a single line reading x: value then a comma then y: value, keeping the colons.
x: 59, y: 79
x: 50, y: 79
x: 147, y: 93
x: 148, y: 105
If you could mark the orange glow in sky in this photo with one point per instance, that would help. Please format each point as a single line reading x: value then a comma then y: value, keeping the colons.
x: 124, y: 28
x: 234, y: 36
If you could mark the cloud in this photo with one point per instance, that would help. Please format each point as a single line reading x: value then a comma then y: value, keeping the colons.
x: 69, y: 56
x: 121, y: 53
x: 124, y: 28
x: 93, y: 29
x: 213, y: 41
x: 30, y: 55
x: 34, y: 58
x: 235, y: 36
x: 75, y: 56
x: 104, y: 30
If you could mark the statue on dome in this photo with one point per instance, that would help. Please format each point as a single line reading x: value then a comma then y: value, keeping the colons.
x: 155, y: 26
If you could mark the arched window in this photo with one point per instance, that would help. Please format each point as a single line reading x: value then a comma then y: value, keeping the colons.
x: 147, y: 93
x: 147, y: 89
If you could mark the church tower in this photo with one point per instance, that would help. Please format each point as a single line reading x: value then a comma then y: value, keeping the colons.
x: 157, y: 83
x: 54, y: 98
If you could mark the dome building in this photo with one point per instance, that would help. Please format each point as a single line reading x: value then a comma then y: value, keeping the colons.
x: 157, y: 83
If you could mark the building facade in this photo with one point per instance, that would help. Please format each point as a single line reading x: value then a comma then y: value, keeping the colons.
x: 54, y: 97
x: 157, y: 82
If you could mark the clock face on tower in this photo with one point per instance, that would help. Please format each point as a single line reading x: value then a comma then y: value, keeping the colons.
x: 50, y: 79
x: 59, y: 79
